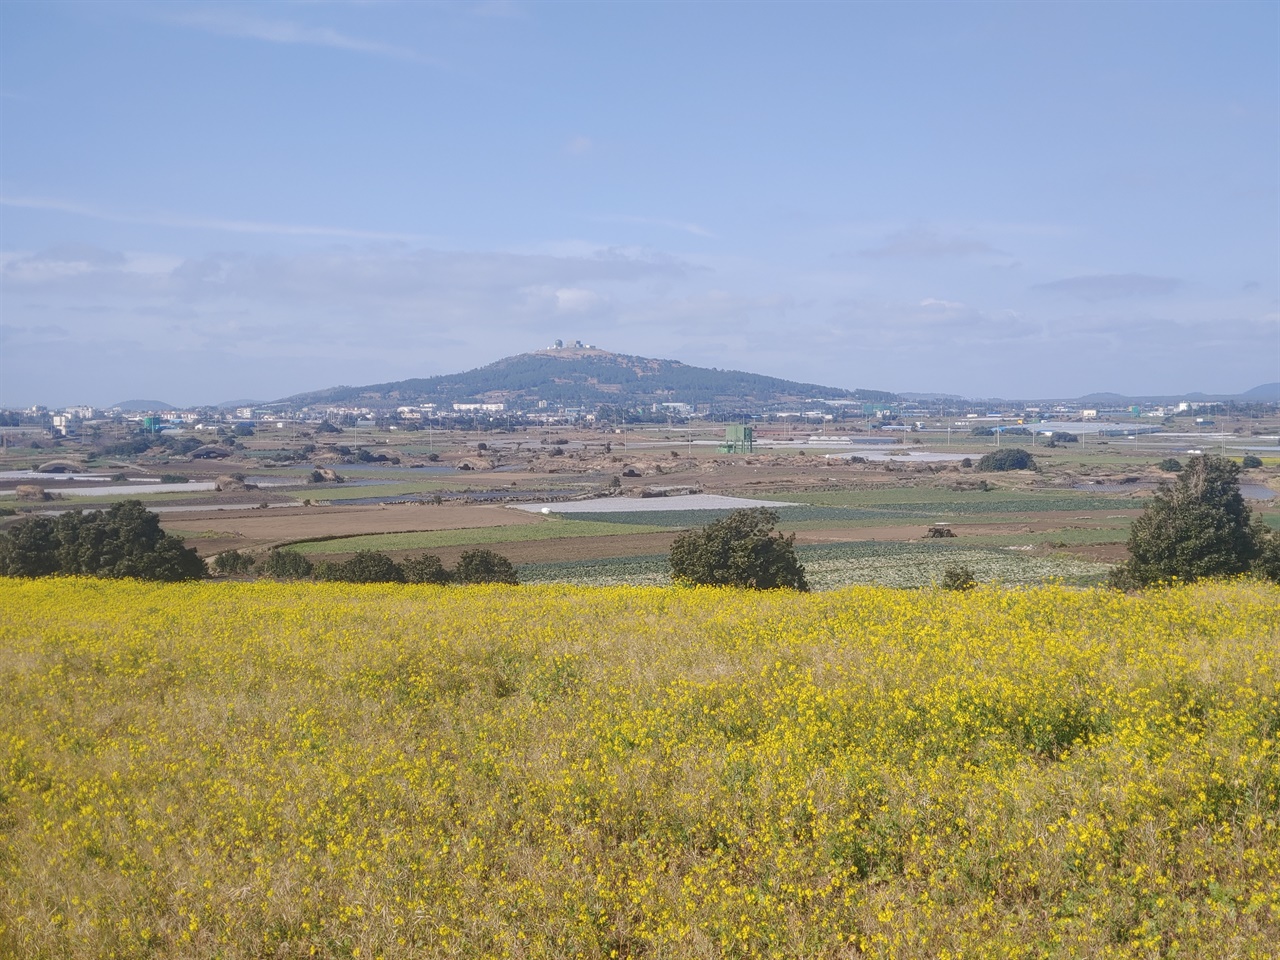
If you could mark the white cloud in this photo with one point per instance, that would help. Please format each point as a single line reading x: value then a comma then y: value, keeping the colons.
x: 578, y: 145
x: 577, y: 300
x: 682, y: 225
x: 334, y: 292
x: 383, y: 312
x: 200, y: 223
x: 229, y: 22
x: 1111, y: 286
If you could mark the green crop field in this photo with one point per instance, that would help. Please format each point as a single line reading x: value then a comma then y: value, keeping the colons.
x: 425, y: 540
x: 838, y: 565
x: 970, y: 507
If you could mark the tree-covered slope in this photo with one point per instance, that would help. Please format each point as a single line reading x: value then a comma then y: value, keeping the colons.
x: 586, y: 377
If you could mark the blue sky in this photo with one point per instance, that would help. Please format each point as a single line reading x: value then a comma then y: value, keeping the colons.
x: 208, y: 201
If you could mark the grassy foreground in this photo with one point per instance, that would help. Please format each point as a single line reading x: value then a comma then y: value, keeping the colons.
x: 266, y: 770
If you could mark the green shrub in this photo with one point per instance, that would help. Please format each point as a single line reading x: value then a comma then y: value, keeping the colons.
x: 326, y: 570
x: 425, y: 569
x: 958, y: 577
x: 1198, y: 527
x: 124, y: 541
x: 484, y: 566
x: 739, y: 550
x: 1268, y: 563
x: 1008, y: 458
x: 367, y: 566
x: 286, y: 565
x: 1251, y: 462
x: 124, y: 448
x: 232, y: 561
x: 1170, y: 465
x: 30, y: 549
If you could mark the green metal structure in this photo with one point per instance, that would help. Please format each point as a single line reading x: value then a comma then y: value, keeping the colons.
x: 738, y: 439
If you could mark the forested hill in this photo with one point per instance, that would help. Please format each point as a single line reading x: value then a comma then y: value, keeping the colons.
x: 586, y: 377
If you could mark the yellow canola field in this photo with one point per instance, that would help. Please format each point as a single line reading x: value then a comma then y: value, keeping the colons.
x: 271, y: 770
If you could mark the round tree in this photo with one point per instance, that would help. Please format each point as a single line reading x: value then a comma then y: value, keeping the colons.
x: 367, y: 566
x: 286, y: 565
x: 233, y: 561
x: 1007, y: 458
x: 484, y: 566
x: 425, y: 569
x: 1198, y: 527
x: 740, y: 550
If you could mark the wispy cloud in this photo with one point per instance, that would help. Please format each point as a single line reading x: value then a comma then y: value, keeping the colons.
x: 379, y: 274
x: 202, y: 223
x: 318, y: 314
x: 919, y: 242
x: 228, y: 22
x: 1110, y: 286
x: 578, y: 145
x: 682, y: 225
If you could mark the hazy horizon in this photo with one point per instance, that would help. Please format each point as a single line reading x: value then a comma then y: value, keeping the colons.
x: 202, y: 201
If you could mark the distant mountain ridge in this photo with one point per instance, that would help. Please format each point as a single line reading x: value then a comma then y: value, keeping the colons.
x: 524, y: 377
x: 1264, y: 393
x: 144, y: 406
x: 582, y: 377
x: 1260, y: 394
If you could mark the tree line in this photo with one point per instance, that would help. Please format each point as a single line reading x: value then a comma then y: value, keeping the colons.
x: 125, y: 541
x: 371, y: 566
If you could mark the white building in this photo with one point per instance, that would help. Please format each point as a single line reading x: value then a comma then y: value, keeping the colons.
x: 479, y: 407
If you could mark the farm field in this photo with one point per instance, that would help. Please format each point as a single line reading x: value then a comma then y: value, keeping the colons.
x: 1093, y: 526
x: 248, y: 770
x: 833, y: 566
x: 506, y: 534
x: 1063, y: 522
x: 213, y: 531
